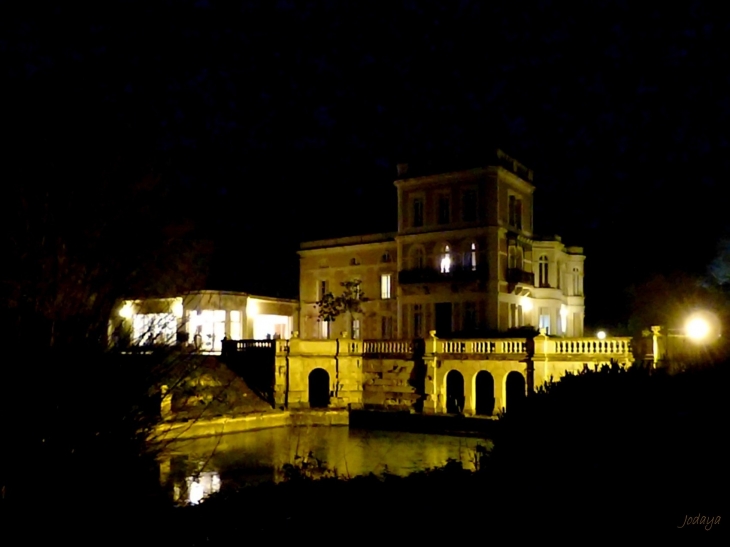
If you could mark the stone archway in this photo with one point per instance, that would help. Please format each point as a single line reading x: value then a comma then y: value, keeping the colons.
x: 454, y: 392
x: 515, y: 388
x: 319, y: 388
x: 484, y: 390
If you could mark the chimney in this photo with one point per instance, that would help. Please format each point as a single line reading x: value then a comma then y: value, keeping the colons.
x: 402, y: 169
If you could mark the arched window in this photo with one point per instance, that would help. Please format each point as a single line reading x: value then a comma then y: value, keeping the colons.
x: 543, y: 271
x: 470, y: 257
x: 446, y: 259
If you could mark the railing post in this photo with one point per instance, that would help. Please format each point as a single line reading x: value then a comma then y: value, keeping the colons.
x: 166, y: 403
x: 655, y: 344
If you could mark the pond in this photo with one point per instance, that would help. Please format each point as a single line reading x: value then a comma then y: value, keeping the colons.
x: 192, y: 469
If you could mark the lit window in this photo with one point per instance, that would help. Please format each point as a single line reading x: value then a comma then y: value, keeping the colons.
x: 544, y: 320
x: 446, y: 260
x: 154, y: 328
x: 385, y: 286
x: 356, y: 329
x: 235, y: 332
x: 470, y: 257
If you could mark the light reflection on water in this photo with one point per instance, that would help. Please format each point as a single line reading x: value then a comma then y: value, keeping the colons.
x: 193, y: 469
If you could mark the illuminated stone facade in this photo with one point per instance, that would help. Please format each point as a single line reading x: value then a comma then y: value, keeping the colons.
x: 465, y: 262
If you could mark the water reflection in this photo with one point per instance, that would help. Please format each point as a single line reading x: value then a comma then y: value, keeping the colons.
x: 195, y: 468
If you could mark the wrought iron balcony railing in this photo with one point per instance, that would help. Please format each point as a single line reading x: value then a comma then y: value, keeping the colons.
x: 433, y: 275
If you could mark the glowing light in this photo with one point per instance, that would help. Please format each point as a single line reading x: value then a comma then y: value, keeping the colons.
x: 446, y: 261
x: 526, y: 303
x: 127, y: 311
x: 177, y: 307
x: 601, y: 335
x: 697, y: 328
x: 252, y: 307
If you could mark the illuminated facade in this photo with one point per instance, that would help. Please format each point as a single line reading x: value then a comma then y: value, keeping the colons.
x: 202, y: 319
x: 464, y: 261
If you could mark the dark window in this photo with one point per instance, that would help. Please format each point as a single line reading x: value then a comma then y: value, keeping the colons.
x: 444, y: 216
x: 417, y: 321
x: 470, y: 316
x: 469, y: 206
x: 417, y: 213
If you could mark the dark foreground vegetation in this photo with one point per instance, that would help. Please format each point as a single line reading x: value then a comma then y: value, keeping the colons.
x: 609, y: 453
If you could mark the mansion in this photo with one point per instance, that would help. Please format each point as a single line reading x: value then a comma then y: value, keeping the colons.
x: 465, y: 262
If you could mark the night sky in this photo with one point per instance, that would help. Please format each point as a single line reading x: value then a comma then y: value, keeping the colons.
x: 277, y: 122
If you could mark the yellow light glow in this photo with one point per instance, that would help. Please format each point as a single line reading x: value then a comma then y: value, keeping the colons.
x: 526, y: 303
x: 127, y: 311
x: 177, y: 307
x: 252, y: 307
x: 601, y: 335
x: 697, y: 328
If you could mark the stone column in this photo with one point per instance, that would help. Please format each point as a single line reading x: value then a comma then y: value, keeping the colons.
x: 281, y: 374
x: 655, y: 345
x: 432, y: 403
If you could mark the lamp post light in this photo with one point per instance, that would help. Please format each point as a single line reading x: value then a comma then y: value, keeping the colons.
x: 601, y: 335
x: 700, y: 328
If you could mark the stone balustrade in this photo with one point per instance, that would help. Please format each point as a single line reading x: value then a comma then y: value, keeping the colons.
x: 387, y: 347
x: 505, y: 346
x: 478, y: 347
x: 585, y: 346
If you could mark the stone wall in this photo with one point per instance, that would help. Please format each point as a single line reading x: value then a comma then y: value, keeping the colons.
x: 393, y: 384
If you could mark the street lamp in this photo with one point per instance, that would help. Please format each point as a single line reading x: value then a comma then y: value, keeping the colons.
x: 697, y: 328
x: 601, y: 334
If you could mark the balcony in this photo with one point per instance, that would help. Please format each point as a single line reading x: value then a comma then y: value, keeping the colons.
x: 516, y: 275
x: 433, y: 275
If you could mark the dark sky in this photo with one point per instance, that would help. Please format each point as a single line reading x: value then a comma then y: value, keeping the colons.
x: 283, y: 121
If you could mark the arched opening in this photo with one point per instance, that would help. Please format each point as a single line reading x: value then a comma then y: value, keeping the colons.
x: 454, y: 392
x: 516, y: 390
x: 484, y: 388
x: 319, y: 388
